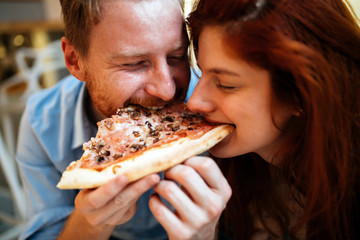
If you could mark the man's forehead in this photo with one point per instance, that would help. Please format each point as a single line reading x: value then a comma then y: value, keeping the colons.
x: 135, y: 10
x: 180, y: 3
x: 137, y: 51
x: 138, y: 33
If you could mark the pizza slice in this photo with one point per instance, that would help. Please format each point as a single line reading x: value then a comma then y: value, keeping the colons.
x: 138, y: 141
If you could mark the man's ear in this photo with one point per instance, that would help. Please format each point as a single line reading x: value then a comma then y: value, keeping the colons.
x: 72, y: 59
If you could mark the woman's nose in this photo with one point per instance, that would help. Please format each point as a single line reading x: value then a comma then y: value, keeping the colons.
x: 201, y: 99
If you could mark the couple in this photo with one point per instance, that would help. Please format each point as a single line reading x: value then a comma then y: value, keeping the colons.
x: 285, y: 73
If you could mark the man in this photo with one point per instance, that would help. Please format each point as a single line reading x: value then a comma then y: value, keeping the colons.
x: 123, y: 52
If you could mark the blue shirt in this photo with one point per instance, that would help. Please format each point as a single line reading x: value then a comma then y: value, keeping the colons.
x: 53, y: 128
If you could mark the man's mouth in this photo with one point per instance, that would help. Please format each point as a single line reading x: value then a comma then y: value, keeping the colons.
x: 154, y: 108
x: 154, y: 104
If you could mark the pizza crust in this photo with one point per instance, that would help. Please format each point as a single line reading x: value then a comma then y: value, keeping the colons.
x: 154, y: 160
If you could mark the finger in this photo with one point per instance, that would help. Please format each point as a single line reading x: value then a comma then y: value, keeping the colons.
x: 91, y: 199
x: 192, y: 183
x: 211, y: 174
x: 210, y: 202
x: 121, y: 218
x: 123, y: 206
x: 170, y: 222
x: 184, y: 206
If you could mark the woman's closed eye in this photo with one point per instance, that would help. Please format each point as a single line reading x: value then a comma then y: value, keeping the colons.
x: 224, y: 86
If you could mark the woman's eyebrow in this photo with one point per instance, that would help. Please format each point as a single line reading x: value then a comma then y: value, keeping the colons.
x: 223, y: 71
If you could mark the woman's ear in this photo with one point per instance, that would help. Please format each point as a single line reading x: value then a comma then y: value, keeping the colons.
x: 72, y: 60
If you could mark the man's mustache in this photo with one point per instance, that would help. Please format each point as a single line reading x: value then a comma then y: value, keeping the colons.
x: 154, y: 101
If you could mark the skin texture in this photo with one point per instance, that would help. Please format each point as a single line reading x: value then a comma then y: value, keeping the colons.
x: 232, y: 91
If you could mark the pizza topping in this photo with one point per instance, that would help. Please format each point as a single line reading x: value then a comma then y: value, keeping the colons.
x: 104, y: 153
x: 136, y: 147
x: 168, y: 119
x: 136, y: 128
x: 135, y: 115
x: 117, y: 156
x: 119, y: 112
x: 173, y: 127
x: 136, y: 133
x: 109, y: 125
x: 100, y: 159
x: 160, y: 128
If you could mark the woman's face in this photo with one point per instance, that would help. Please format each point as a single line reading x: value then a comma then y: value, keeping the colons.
x: 232, y: 91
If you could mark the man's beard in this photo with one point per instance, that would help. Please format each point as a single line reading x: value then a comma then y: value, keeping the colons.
x: 104, y: 105
x: 99, y: 97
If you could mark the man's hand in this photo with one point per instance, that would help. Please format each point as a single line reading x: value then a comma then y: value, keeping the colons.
x: 98, y: 211
x: 199, y: 201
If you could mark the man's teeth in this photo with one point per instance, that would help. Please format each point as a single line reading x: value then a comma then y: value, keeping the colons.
x: 153, y: 108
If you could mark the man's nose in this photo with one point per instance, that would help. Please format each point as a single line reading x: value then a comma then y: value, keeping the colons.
x: 161, y: 83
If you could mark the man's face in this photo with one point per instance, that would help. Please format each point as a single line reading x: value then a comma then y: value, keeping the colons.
x: 137, y: 54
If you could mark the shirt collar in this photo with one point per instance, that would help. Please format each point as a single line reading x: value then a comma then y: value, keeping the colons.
x: 84, y: 129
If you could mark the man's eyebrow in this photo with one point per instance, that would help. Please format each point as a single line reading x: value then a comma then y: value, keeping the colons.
x: 126, y: 54
x: 135, y: 54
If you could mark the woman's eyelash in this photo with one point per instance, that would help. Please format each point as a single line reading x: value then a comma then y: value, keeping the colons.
x: 219, y: 85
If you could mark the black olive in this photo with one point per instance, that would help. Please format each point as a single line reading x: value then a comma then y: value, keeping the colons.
x: 147, y: 123
x: 153, y: 133
x: 104, y: 152
x: 168, y: 119
x: 135, y: 147
x: 100, y: 159
x: 116, y: 156
x: 135, y: 115
x: 147, y: 113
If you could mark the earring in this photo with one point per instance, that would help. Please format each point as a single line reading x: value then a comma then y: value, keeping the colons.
x: 299, y: 112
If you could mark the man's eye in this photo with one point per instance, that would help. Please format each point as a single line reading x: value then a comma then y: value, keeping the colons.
x: 134, y: 64
x: 175, y: 58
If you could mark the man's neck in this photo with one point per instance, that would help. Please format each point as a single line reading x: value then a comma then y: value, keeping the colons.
x: 93, y: 114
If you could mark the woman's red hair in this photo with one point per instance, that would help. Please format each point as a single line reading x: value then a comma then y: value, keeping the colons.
x: 312, y: 50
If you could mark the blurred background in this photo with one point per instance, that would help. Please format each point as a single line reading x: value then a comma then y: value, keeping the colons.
x: 27, y: 23
x: 30, y: 59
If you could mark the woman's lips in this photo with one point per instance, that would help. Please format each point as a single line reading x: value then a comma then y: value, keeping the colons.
x: 218, y: 122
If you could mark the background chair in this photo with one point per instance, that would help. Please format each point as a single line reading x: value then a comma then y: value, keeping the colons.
x: 38, y: 68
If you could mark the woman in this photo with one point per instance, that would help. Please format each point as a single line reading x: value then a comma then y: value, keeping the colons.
x: 286, y: 73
